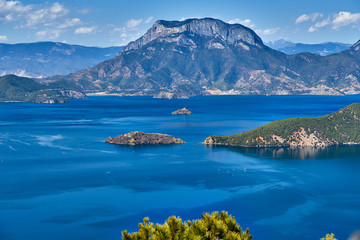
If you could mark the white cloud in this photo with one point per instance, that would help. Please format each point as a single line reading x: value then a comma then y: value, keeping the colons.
x: 70, y: 23
x: 84, y: 11
x: 302, y: 18
x: 318, y: 25
x: 51, y: 34
x: 45, y: 15
x: 312, y: 29
x: 323, y: 23
x: 132, y: 23
x: 31, y: 15
x: 246, y: 22
x: 343, y: 19
x: 8, y: 6
x: 57, y: 8
x: 269, y: 31
x: 191, y: 17
x: 337, y: 21
x: 125, y: 35
x: 3, y: 38
x: 130, y: 31
x: 85, y: 30
x: 149, y: 19
x: 308, y: 17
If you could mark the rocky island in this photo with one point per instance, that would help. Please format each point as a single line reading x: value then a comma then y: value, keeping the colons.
x: 339, y: 128
x: 183, y: 111
x: 142, y: 138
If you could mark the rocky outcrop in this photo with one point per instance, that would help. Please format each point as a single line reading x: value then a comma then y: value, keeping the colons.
x: 183, y: 111
x: 72, y: 94
x: 208, y: 27
x: 142, y: 138
x: 339, y: 128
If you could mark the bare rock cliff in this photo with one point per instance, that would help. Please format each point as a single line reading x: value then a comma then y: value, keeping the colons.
x: 230, y: 33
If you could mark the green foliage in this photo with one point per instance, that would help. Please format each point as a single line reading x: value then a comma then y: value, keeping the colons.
x: 329, y: 237
x: 340, y: 127
x: 212, y: 226
x: 21, y: 89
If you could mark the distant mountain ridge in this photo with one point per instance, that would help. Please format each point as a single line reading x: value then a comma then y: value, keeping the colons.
x: 42, y: 59
x: 281, y: 43
x: 322, y: 49
x: 207, y: 56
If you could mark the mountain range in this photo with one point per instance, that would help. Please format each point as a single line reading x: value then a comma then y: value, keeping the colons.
x: 208, y: 56
x: 322, y: 49
x: 42, y: 59
x: 180, y: 59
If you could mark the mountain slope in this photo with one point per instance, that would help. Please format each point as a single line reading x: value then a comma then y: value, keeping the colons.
x: 21, y: 89
x: 341, y: 127
x: 208, y: 56
x: 50, y: 58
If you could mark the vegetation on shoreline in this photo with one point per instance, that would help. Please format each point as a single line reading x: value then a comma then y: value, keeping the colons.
x: 341, y: 127
x: 22, y: 89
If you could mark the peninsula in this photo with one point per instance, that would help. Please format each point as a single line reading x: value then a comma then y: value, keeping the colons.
x: 22, y: 89
x: 142, y: 138
x: 339, y: 128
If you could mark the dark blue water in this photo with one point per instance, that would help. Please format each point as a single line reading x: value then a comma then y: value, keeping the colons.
x: 59, y: 180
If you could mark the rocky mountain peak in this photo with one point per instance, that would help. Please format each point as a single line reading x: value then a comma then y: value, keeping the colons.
x: 209, y: 27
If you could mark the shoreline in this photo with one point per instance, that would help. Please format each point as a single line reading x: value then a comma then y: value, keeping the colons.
x: 215, y: 94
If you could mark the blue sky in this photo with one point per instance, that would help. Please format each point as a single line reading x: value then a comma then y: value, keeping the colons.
x: 116, y: 22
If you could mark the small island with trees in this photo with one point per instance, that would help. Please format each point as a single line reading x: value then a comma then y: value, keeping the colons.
x: 142, y: 138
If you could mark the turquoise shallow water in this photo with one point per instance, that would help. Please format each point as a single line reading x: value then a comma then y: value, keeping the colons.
x: 58, y: 179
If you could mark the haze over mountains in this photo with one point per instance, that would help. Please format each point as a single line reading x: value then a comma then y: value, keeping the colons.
x: 207, y: 56
x: 42, y: 59
x: 322, y: 49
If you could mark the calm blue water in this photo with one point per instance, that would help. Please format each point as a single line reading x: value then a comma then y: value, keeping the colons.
x: 59, y: 180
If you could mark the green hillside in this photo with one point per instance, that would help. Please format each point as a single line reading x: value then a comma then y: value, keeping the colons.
x: 341, y: 127
x: 21, y: 89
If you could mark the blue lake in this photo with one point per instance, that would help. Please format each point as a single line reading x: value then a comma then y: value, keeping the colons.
x: 59, y: 180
